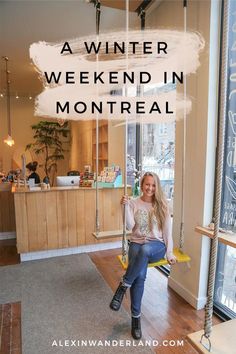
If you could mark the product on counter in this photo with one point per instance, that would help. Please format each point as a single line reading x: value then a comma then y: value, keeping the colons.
x: 86, y: 179
x: 110, y: 177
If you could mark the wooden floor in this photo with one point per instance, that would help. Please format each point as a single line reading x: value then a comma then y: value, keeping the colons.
x: 10, y: 314
x: 8, y: 253
x: 165, y: 315
x: 10, y: 328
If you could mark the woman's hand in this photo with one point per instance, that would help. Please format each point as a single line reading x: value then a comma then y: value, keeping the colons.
x: 124, y: 199
x: 171, y: 260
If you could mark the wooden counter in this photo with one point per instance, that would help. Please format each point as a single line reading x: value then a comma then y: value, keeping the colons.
x: 7, y: 213
x: 64, y: 217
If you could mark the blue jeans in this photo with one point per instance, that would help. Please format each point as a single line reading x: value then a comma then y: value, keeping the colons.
x: 139, y: 257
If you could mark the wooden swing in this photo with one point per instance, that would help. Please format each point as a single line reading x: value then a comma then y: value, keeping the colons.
x: 181, y: 257
x: 99, y: 235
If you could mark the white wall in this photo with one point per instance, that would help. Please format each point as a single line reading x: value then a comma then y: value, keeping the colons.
x: 200, y: 150
x: 22, y: 117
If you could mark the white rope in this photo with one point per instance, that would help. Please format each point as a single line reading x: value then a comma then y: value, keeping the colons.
x: 181, y: 238
x: 141, y: 94
x: 219, y: 174
x: 140, y: 165
x: 97, y: 6
x: 124, y: 238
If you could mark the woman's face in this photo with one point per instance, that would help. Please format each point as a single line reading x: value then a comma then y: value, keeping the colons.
x: 28, y: 172
x: 148, y: 187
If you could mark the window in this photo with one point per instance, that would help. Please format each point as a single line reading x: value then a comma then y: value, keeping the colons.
x: 157, y: 154
x: 131, y: 154
x: 162, y: 129
x: 225, y: 286
x: 158, y: 147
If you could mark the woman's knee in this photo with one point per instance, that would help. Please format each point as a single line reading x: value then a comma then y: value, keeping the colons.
x: 144, y: 251
x: 139, y: 281
x: 133, y: 250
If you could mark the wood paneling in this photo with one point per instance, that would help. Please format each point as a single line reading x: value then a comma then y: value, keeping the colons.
x: 80, y: 216
x: 64, y: 218
x: 72, y: 223
x: 22, y: 232
x: 51, y: 216
x: 7, y: 212
x: 89, y: 215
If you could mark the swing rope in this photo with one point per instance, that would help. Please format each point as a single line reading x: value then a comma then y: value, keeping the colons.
x: 140, y: 93
x: 219, y: 174
x: 124, y: 236
x: 98, y: 13
x: 181, y: 238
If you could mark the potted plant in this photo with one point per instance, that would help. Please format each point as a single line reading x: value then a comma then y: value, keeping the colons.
x: 50, y: 138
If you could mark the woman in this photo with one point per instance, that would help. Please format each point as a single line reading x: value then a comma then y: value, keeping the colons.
x: 32, y: 167
x: 149, y: 219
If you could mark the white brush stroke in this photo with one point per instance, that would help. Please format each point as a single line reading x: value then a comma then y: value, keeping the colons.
x: 182, y: 55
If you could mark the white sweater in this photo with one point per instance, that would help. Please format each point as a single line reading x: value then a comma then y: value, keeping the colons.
x: 141, y: 220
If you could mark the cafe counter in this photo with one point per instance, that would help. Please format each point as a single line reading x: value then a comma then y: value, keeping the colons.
x: 64, y: 217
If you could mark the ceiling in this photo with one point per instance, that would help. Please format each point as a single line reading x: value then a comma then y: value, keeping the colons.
x: 121, y: 4
x: 25, y: 22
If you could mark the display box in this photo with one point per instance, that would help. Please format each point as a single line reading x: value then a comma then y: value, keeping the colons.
x: 115, y: 184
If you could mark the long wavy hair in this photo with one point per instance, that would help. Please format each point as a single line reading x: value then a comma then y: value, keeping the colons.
x: 159, y: 201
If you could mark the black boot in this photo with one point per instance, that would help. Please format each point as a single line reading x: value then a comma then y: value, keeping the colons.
x: 136, y: 328
x: 118, y: 297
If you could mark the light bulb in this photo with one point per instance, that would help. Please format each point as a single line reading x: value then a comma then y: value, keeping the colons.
x: 9, y: 141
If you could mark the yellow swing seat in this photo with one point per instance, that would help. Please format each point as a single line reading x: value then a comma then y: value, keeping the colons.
x: 180, y: 256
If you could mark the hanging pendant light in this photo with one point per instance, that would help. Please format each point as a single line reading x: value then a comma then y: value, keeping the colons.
x: 9, y: 141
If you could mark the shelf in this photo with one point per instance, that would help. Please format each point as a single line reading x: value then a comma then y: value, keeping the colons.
x: 228, y: 239
x: 102, y: 145
x: 101, y: 142
x: 223, y: 339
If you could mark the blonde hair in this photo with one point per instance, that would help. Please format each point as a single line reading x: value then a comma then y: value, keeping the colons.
x: 159, y: 201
